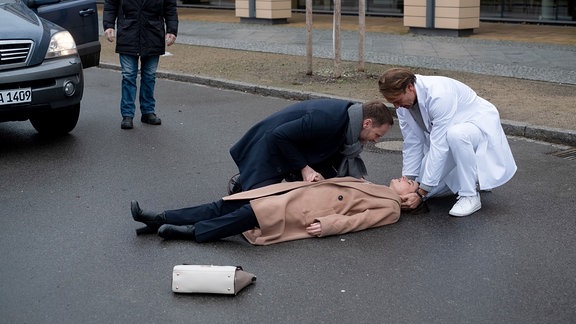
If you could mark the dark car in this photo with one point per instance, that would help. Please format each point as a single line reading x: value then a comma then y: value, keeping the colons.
x: 44, y: 47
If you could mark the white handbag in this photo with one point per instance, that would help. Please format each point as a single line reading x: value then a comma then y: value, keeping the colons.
x: 210, y: 279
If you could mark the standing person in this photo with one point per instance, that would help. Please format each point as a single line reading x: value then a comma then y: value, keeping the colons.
x: 145, y: 27
x: 283, y: 212
x: 451, y: 136
x: 310, y: 140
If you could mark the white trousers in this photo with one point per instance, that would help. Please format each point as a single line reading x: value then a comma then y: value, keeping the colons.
x: 460, y: 173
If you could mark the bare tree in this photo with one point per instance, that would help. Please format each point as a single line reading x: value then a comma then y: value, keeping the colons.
x: 336, y: 38
x: 361, y: 33
x: 309, y: 52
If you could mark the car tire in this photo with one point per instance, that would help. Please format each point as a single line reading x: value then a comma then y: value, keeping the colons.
x: 57, y: 122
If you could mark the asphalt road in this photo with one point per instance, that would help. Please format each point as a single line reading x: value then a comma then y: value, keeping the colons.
x: 70, y: 253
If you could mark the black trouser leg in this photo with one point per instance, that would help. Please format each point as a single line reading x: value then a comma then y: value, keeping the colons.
x: 192, y: 215
x: 233, y: 223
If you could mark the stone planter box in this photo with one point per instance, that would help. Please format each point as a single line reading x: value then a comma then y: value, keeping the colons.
x: 450, y: 17
x: 264, y: 11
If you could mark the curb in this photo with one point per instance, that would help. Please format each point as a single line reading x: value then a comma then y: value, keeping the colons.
x: 540, y: 133
x: 511, y: 128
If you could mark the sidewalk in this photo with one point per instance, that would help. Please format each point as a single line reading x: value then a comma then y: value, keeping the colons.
x: 542, y: 53
x: 558, y: 35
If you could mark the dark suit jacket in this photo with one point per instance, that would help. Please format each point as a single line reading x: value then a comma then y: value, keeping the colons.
x: 306, y: 133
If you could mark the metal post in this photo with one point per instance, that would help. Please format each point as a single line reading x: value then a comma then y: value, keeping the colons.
x: 430, y: 12
x: 252, y: 8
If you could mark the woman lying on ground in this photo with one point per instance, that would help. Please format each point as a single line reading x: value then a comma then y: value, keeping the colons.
x: 285, y: 211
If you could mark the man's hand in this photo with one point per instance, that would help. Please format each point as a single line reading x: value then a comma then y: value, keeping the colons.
x: 170, y: 39
x: 314, y: 229
x: 110, y: 34
x: 310, y: 175
x: 410, y: 200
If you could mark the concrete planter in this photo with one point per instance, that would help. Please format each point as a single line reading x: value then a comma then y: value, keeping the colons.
x: 264, y: 11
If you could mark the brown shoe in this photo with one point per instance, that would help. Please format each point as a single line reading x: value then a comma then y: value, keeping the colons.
x: 151, y: 119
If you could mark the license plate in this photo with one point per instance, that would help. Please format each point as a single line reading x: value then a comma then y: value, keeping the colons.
x: 16, y: 96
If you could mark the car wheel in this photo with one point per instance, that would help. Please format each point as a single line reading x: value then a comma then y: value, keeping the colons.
x: 57, y: 122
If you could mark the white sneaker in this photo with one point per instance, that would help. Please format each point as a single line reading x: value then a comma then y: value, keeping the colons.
x: 466, y: 205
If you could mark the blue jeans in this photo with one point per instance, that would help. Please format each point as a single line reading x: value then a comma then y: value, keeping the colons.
x: 129, y: 64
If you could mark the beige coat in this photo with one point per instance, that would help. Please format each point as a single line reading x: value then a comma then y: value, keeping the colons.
x: 341, y: 205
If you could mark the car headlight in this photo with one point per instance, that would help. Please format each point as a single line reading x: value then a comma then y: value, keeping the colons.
x: 61, y: 44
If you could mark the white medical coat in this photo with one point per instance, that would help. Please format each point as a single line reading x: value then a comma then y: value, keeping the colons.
x: 445, y: 102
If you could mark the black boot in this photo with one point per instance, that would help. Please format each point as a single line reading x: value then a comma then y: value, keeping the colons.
x: 127, y: 123
x: 234, y: 185
x: 151, y: 119
x: 152, y: 220
x: 177, y: 232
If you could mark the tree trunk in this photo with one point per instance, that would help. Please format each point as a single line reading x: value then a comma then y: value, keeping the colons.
x: 309, y: 53
x: 336, y: 38
x: 361, y: 33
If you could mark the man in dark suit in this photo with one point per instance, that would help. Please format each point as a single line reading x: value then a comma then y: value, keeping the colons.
x: 310, y: 140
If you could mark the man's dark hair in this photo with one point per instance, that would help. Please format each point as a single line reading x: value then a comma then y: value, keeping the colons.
x: 378, y: 112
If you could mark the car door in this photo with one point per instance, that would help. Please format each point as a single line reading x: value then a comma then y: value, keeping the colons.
x: 80, y: 18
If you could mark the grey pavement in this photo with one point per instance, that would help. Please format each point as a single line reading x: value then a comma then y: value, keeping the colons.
x: 531, y: 61
x: 70, y: 253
